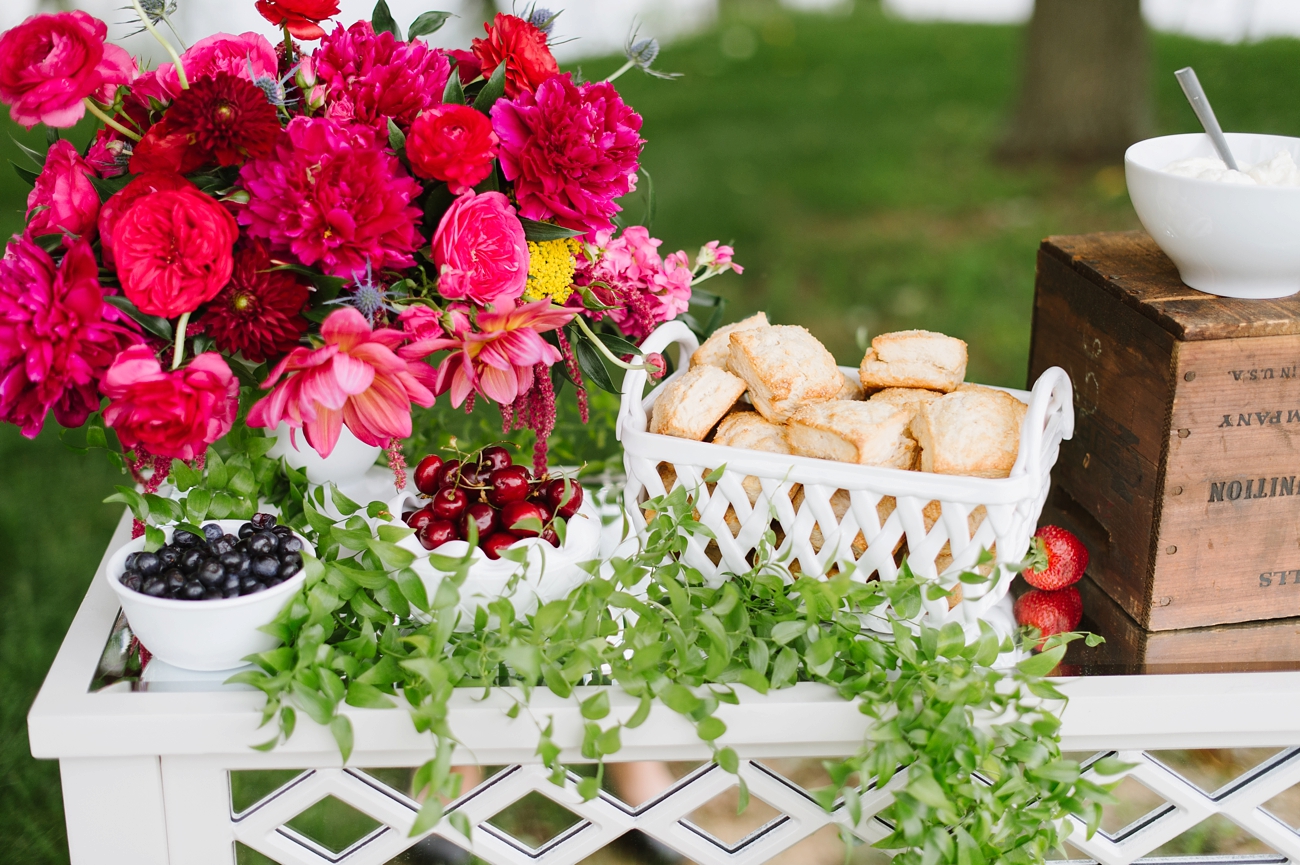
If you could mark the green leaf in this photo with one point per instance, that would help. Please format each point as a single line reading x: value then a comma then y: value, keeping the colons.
x: 618, y: 345
x: 710, y: 728
x: 453, y: 93
x: 609, y: 742
x: 1111, y: 766
x: 493, y: 90
x: 393, y: 557
x: 365, y: 696
x: 28, y: 176
x: 429, y: 22
x: 342, y: 503
x: 641, y: 714
x: 680, y: 699
x: 197, y: 504
x: 412, y: 588
x: 327, y: 287
x: 1042, y: 663
x: 592, y: 365
x: 596, y: 706
x: 317, y: 707
x: 160, y: 327
x: 784, y: 633
x: 728, y: 760
x: 341, y: 727
x: 540, y: 232
x: 382, y: 19
x: 589, y: 788
x: 396, y: 137
x: 168, y: 509
x: 430, y: 814
x: 182, y: 475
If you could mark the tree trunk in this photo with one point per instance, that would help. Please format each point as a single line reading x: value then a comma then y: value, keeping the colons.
x: 1085, y: 92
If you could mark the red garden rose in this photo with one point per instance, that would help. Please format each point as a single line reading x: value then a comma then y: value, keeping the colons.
x: 454, y: 143
x: 122, y: 200
x: 170, y: 414
x: 523, y: 47
x: 173, y: 251
x: 50, y: 63
x: 301, y: 17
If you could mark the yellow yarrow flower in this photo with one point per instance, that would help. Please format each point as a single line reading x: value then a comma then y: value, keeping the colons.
x: 550, y: 269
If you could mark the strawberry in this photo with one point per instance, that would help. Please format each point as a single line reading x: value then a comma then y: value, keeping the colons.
x: 1056, y: 559
x: 1050, y: 612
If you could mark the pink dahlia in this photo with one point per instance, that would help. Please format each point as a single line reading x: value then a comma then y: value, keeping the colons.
x: 371, y: 76
x: 169, y: 414
x: 480, y: 250
x: 354, y: 379
x: 57, y: 336
x: 331, y: 196
x: 628, y: 274
x: 249, y: 56
x: 569, y: 150
x: 63, y: 200
x: 498, y: 358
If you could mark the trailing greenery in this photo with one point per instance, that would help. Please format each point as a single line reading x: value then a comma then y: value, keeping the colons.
x: 977, y: 748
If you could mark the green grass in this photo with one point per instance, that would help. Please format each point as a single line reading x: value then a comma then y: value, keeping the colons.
x: 848, y: 161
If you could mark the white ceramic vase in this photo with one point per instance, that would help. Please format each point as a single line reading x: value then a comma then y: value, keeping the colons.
x: 346, y: 466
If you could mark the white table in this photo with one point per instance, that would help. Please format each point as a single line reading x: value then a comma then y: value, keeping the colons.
x: 146, y: 771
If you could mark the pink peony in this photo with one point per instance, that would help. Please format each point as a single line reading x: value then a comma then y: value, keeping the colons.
x: 50, y: 63
x: 371, y: 76
x: 334, y: 198
x: 354, y: 379
x: 480, y: 250
x: 57, y: 336
x: 497, y: 360
x: 628, y: 274
x: 569, y: 150
x: 454, y: 143
x: 169, y: 414
x: 63, y: 200
x: 248, y: 56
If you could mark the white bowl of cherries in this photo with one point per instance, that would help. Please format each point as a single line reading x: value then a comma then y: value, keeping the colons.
x: 510, y: 510
x: 197, y: 602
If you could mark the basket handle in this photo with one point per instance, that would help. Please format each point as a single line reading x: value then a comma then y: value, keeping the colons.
x: 1052, y: 394
x: 630, y: 411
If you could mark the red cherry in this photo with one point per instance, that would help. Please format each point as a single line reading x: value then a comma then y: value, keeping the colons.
x: 509, y: 484
x: 449, y: 503
x: 550, y: 536
x: 495, y: 457
x: 482, y: 516
x: 493, y: 545
x: 449, y: 474
x: 435, y: 533
x: 517, y: 516
x: 474, y: 475
x: 426, y: 474
x: 420, y: 518
x: 564, y: 496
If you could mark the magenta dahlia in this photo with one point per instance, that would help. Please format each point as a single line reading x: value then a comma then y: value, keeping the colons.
x: 570, y: 151
x: 332, y: 197
x: 259, y: 312
x: 57, y: 336
x: 371, y: 76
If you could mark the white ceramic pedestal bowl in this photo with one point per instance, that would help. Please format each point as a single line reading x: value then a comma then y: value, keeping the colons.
x: 1227, y: 239
x: 201, y: 635
x: 551, y: 572
x: 346, y: 465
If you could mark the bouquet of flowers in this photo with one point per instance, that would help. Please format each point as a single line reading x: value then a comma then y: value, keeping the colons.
x: 321, y: 237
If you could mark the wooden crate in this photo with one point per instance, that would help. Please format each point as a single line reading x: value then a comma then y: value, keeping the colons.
x: 1182, y: 474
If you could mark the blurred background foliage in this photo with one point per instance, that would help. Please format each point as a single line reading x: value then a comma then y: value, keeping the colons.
x: 849, y: 159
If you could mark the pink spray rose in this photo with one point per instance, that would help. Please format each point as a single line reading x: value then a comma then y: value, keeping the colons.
x: 170, y: 414
x: 569, y: 150
x: 454, y: 143
x: 50, y: 63
x: 354, y: 379
x: 63, y: 200
x: 248, y: 56
x: 480, y: 250
x: 57, y: 336
x: 420, y: 322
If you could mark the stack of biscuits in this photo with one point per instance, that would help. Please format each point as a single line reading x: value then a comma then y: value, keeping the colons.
x: 775, y: 388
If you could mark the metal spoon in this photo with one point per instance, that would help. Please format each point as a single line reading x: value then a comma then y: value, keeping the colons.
x: 1201, y: 105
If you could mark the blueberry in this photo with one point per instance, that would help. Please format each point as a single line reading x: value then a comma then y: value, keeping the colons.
x: 282, y: 531
x: 173, y: 578
x: 154, y: 587
x: 191, y: 559
x: 132, y: 580
x: 231, y: 584
x: 169, y: 556
x: 265, y: 567
x: 274, y: 581
x: 263, y: 544
x: 148, y: 564
x: 183, y: 538
x: 230, y: 593
x: 290, y: 544
x: 212, y: 531
x: 211, y: 573
x: 223, y: 544
x: 291, y: 558
x: 129, y: 564
x: 193, y: 591
x: 288, y: 569
x: 212, y: 595
x: 246, y: 529
x: 236, y: 563
x: 263, y: 521
x: 249, y: 585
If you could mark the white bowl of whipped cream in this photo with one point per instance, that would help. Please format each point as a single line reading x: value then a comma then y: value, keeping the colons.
x: 1230, y: 233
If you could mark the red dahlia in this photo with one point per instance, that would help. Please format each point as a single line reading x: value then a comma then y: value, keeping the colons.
x: 222, y: 118
x: 259, y: 312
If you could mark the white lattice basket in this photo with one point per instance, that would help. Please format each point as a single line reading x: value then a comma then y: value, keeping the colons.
x: 940, y: 523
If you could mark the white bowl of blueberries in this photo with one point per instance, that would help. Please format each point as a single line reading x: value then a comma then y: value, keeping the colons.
x: 197, y: 602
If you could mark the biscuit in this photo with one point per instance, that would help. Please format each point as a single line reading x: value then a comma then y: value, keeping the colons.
x: 974, y: 431
x: 785, y: 367
x: 751, y: 431
x: 715, y: 349
x: 866, y: 433
x: 909, y: 398
x: 914, y: 358
x: 850, y: 390
x: 690, y: 405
